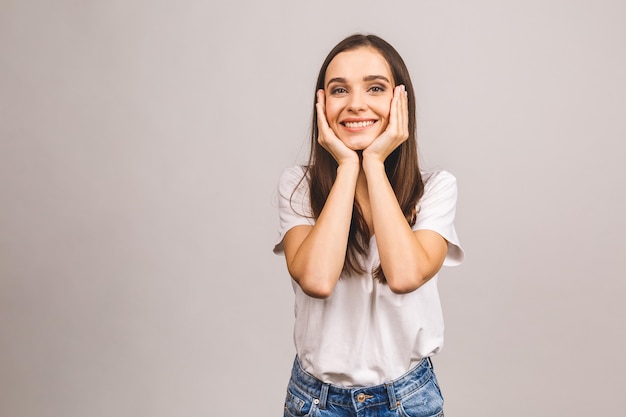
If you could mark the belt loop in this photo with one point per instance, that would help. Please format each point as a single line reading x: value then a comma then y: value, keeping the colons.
x: 323, y: 396
x: 430, y: 362
x: 391, y: 394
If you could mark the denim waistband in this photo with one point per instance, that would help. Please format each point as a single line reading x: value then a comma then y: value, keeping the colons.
x: 361, y: 397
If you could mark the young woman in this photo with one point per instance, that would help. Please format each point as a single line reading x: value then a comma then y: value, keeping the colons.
x: 364, y: 233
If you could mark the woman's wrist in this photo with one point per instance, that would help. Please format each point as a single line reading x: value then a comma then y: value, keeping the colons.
x: 349, y: 164
x: 372, y: 165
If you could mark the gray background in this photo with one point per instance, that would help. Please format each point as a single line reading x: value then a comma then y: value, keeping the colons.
x: 141, y: 143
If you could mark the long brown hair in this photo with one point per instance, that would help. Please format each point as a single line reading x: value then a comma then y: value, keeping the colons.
x: 401, y: 166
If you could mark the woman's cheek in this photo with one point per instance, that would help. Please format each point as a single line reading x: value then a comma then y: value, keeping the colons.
x: 331, y: 113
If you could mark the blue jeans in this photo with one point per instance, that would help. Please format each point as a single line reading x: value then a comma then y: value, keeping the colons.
x: 415, y: 394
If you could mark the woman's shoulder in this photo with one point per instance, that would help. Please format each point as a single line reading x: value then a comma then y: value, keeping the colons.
x: 439, y: 186
x: 291, y: 172
x: 291, y: 178
x: 294, y: 171
x: 437, y: 178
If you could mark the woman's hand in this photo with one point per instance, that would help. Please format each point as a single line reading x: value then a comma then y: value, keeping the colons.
x: 397, y: 130
x: 326, y: 136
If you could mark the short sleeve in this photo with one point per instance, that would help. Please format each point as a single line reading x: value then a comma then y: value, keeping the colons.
x: 294, y: 208
x: 436, y: 212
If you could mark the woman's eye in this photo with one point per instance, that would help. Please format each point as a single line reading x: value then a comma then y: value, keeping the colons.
x: 338, y: 90
x: 377, y: 89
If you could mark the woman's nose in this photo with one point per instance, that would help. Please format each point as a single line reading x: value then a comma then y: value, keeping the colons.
x: 357, y: 102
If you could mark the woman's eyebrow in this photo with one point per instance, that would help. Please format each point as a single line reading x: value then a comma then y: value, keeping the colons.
x: 366, y: 78
x: 376, y: 77
x: 335, y: 80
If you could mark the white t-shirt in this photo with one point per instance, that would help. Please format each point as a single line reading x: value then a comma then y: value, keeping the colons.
x: 363, y: 334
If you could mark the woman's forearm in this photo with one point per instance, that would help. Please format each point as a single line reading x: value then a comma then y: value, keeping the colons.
x: 407, y: 259
x: 316, y: 255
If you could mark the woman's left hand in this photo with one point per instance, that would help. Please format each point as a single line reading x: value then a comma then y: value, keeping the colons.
x: 397, y: 130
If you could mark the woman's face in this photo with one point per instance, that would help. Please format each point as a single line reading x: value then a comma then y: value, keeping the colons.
x: 359, y: 87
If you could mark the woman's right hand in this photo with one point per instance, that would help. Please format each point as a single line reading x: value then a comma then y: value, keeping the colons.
x: 326, y: 136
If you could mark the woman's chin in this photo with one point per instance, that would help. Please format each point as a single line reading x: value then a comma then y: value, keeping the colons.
x: 358, y: 144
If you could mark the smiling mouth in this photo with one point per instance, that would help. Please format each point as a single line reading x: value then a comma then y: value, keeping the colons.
x: 357, y: 125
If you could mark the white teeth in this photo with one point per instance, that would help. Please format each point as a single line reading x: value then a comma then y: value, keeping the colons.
x: 353, y: 125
